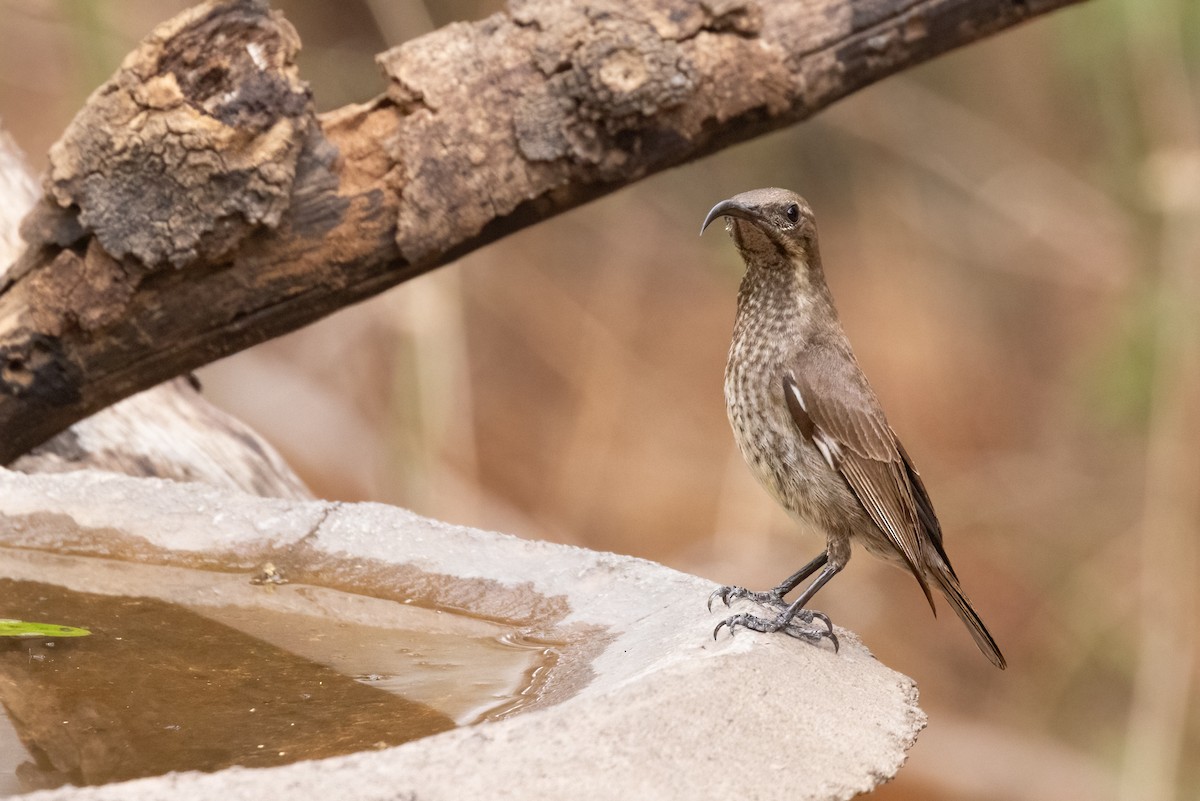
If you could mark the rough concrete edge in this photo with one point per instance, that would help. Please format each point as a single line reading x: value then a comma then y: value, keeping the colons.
x: 679, y: 714
x: 156, y: 511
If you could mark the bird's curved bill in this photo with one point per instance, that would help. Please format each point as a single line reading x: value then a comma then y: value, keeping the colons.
x: 727, y: 208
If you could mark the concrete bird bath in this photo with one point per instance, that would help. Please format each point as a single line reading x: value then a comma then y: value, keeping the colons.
x: 620, y: 691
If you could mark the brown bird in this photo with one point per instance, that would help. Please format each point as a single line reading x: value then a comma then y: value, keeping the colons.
x: 811, y: 429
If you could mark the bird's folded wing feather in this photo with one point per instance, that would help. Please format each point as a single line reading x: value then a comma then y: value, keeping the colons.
x: 925, y: 513
x: 833, y: 406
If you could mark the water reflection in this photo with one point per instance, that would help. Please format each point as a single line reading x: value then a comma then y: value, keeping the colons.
x: 160, y: 687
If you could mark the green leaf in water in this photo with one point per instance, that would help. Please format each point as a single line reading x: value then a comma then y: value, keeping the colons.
x: 22, y: 629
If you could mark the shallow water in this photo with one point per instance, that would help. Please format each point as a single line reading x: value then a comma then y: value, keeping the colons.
x: 224, y: 673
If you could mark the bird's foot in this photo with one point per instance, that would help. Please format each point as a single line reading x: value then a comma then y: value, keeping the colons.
x: 772, y: 598
x: 727, y: 595
x: 805, y: 629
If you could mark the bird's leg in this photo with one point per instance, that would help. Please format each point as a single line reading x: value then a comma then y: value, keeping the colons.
x: 773, y: 597
x: 785, y: 620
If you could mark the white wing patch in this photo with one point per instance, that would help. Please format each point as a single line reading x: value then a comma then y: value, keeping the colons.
x: 829, y: 447
x: 795, y: 390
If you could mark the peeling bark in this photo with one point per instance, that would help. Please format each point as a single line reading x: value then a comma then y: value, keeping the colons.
x: 197, y: 205
x: 168, y: 431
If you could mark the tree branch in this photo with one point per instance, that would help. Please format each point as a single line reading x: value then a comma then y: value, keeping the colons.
x: 197, y: 205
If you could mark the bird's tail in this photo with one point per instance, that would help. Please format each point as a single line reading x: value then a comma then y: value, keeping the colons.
x: 948, y: 583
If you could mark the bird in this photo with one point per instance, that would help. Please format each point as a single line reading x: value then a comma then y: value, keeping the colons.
x: 812, y: 430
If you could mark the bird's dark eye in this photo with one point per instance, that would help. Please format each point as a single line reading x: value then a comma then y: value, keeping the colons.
x: 792, y: 212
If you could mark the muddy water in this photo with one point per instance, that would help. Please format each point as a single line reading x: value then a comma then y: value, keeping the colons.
x: 203, y: 683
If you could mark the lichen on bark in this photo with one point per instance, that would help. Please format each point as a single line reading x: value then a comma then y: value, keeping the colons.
x: 192, y: 144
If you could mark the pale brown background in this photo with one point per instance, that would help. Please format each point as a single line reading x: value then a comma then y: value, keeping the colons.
x: 1013, y: 237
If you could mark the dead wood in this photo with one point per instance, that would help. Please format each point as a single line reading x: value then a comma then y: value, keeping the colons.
x: 167, y: 431
x: 197, y: 205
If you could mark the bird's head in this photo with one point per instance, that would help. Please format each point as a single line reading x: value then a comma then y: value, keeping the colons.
x: 769, y: 226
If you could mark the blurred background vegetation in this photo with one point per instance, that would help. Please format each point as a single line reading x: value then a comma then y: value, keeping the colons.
x: 1013, y: 236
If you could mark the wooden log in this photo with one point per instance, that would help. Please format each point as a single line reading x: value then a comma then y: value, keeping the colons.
x: 197, y: 205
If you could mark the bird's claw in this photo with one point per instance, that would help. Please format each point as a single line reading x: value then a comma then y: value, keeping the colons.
x: 808, y: 633
x: 782, y: 622
x: 824, y: 618
x: 730, y: 593
x: 721, y: 593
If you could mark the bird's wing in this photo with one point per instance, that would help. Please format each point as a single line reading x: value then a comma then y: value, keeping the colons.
x: 835, y: 408
x: 925, y: 513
